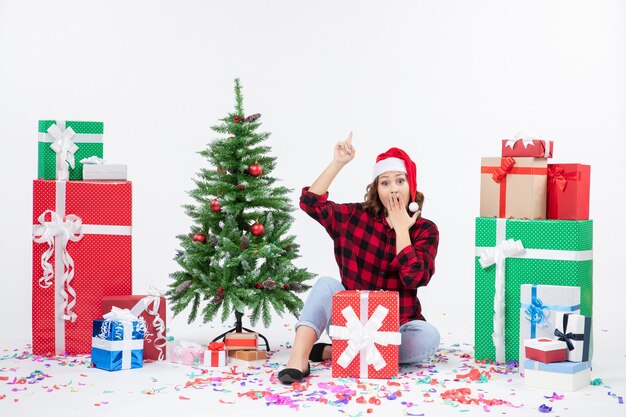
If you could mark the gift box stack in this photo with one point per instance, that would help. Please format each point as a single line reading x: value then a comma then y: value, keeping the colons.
x: 81, y: 238
x: 534, y: 229
x: 364, y: 332
x: 243, y: 346
x: 561, y: 362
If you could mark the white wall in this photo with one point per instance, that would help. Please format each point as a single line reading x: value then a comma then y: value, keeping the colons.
x: 444, y: 80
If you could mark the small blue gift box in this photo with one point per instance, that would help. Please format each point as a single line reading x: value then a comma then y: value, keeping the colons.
x: 117, y: 345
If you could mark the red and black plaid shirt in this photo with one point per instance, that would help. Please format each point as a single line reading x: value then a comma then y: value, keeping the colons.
x: 365, y: 250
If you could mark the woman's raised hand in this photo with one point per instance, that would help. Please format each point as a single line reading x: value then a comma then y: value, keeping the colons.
x: 344, y: 151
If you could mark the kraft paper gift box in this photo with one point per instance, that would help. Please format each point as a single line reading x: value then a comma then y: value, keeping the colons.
x: 575, y: 330
x: 117, y: 342
x: 247, y: 355
x: 187, y: 353
x: 522, y: 147
x: 545, y: 350
x: 364, y: 332
x: 513, y: 187
x: 512, y: 252
x: 150, y: 308
x: 63, y: 144
x: 82, y: 252
x: 539, y: 306
x: 568, y: 191
x: 215, y: 355
x: 104, y: 172
x: 241, y: 341
x: 558, y: 376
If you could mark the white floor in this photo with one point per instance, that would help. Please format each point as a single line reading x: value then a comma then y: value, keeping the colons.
x: 69, y: 387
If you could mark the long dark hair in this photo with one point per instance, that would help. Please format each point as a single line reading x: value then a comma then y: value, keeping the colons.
x: 374, y: 206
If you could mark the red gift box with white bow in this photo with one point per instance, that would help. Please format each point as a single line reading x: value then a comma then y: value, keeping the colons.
x: 365, y: 337
x: 82, y: 252
x: 527, y: 146
x: 151, y: 309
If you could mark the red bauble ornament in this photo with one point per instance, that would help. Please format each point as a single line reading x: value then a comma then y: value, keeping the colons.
x: 215, y: 205
x: 285, y: 287
x: 255, y: 169
x: 259, y: 286
x: 257, y: 229
x: 241, y: 187
x: 199, y: 237
x: 220, y: 289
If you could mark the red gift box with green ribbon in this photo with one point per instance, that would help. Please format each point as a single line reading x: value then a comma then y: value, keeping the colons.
x: 82, y: 252
x: 568, y: 191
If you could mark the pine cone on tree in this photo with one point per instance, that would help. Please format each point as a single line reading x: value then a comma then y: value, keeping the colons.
x: 269, y: 284
x: 253, y: 117
x: 213, y: 240
x: 182, y: 287
x: 245, y: 242
x: 295, y: 286
x: 218, y: 298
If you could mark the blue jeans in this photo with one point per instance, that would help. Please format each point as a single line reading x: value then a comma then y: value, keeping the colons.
x: 419, y: 339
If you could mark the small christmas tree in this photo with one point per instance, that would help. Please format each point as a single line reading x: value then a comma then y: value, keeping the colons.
x: 238, y: 255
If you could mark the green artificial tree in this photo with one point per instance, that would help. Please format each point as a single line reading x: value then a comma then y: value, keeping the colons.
x: 239, y: 255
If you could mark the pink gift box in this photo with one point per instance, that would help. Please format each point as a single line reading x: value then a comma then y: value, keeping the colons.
x: 187, y: 353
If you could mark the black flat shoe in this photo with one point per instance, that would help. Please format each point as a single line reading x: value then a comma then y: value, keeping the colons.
x: 317, y: 352
x: 291, y: 375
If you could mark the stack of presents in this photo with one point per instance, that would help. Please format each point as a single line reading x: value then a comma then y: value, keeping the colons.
x: 82, y: 257
x: 533, y: 265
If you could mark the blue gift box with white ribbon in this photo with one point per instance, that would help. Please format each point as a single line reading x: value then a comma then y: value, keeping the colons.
x: 117, y: 343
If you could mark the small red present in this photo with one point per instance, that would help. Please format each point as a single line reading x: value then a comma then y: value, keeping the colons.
x: 365, y: 334
x: 545, y: 350
x: 241, y: 341
x: 215, y: 355
x: 568, y: 191
x: 150, y: 308
x: 527, y: 146
x: 82, y: 252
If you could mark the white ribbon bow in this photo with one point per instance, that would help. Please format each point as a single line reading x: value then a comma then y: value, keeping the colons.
x: 362, y: 338
x: 93, y: 160
x: 526, y: 138
x: 497, y: 256
x: 63, y: 231
x: 120, y: 314
x: 153, y: 299
x: 64, y: 146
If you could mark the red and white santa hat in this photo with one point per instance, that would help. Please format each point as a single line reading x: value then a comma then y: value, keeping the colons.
x: 395, y: 159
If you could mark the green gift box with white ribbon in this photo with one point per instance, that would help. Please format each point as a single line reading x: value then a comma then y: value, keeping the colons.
x: 63, y: 144
x: 512, y: 252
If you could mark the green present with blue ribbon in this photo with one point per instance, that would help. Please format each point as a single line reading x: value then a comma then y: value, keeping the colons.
x: 512, y: 252
x: 117, y: 341
x: 63, y: 144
